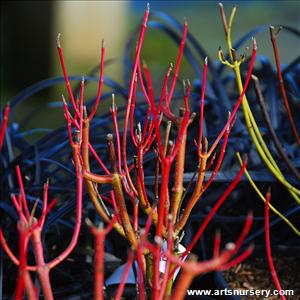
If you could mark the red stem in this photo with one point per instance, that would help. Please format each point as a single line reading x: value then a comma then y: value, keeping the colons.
x: 183, y: 126
x: 115, y: 207
x: 164, y: 93
x: 268, y: 245
x: 168, y: 262
x: 165, y: 171
x: 124, y: 276
x: 50, y: 206
x: 4, y: 124
x: 139, y: 258
x: 42, y: 268
x: 149, y: 83
x: 130, y: 96
x: 63, y: 66
x: 202, y: 105
x: 74, y: 239
x: 149, y: 221
x: 220, y: 160
x: 100, y: 84
x: 67, y: 117
x: 155, y: 115
x: 22, y: 192
x: 211, y: 162
x: 140, y: 77
x: 135, y: 216
x: 81, y: 107
x: 281, y: 85
x: 238, y: 259
x: 98, y: 159
x: 131, y: 122
x: 215, y: 208
x: 24, y: 279
x: 141, y: 173
x: 76, y: 117
x: 156, y: 251
x: 246, y: 229
x: 99, y: 237
x: 18, y: 206
x: 178, y: 62
x: 114, y: 114
x: 99, y: 266
x: 213, y: 212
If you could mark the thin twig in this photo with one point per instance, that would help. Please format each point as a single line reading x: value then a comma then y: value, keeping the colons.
x: 268, y: 121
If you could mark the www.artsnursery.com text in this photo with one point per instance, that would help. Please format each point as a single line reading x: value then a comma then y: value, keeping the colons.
x: 240, y: 292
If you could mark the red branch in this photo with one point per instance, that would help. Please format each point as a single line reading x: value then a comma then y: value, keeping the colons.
x: 63, y: 66
x: 281, y: 84
x: 99, y: 236
x: 268, y: 245
x: 202, y: 105
x: 99, y: 92
x: 4, y: 124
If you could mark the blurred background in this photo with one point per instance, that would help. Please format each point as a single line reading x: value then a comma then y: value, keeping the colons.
x: 29, y: 29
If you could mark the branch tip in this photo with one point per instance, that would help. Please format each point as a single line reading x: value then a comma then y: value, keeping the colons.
x: 89, y: 223
x: 144, y: 64
x: 254, y: 43
x: 245, y: 158
x: 254, y: 78
x: 193, y: 115
x: 185, y: 22
x: 158, y: 240
x: 221, y: 54
x: 63, y: 99
x: 230, y: 246
x: 58, y: 40
x: 109, y: 137
x: 233, y: 53
x: 142, y: 231
x: 113, y: 102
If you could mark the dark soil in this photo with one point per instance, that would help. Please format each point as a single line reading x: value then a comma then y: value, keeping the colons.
x: 255, y: 274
